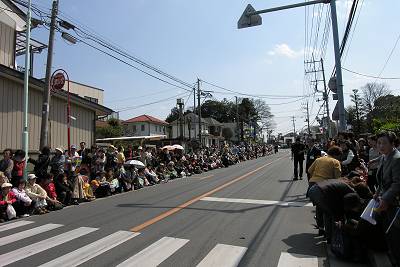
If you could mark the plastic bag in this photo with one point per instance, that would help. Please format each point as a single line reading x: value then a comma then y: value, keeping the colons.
x: 368, y: 213
x: 11, y: 213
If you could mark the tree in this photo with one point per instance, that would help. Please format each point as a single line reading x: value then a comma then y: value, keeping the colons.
x: 227, y: 133
x: 174, y: 115
x: 264, y: 114
x: 113, y: 129
x: 370, y: 93
x: 222, y: 111
x: 356, y: 99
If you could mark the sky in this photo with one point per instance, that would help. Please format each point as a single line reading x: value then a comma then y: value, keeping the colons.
x: 200, y: 39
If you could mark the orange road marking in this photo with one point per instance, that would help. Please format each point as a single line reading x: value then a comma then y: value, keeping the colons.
x: 190, y: 202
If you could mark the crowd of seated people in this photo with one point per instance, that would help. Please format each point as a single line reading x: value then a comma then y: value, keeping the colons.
x: 62, y: 178
x: 353, y: 174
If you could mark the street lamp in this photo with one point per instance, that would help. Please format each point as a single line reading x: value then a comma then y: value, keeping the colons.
x: 25, y: 133
x: 251, y: 17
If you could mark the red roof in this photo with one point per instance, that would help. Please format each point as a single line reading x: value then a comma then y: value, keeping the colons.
x: 146, y: 118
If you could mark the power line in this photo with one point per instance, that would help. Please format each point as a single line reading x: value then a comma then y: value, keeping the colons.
x: 390, y: 55
x: 133, y: 66
x: 251, y: 95
x: 151, y: 103
x: 371, y: 76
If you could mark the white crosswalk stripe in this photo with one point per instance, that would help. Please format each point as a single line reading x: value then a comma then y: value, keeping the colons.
x: 43, y: 245
x: 28, y: 233
x: 156, y: 253
x: 10, y: 226
x: 92, y: 250
x: 223, y: 256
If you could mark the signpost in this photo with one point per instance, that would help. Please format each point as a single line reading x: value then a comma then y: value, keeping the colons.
x: 251, y: 17
x: 57, y: 83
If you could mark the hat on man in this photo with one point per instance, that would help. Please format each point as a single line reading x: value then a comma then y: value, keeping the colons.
x: 6, y: 185
x: 140, y: 148
x: 31, y: 176
x: 73, y: 147
x: 59, y: 149
x: 112, y: 147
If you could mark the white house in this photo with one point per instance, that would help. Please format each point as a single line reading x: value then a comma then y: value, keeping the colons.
x: 144, y: 125
x: 211, y: 130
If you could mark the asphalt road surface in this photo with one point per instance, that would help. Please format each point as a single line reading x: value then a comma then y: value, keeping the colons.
x: 250, y: 214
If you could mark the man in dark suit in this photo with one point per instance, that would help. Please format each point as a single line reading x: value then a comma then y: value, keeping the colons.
x: 298, y: 150
x: 388, y: 192
x: 312, y: 154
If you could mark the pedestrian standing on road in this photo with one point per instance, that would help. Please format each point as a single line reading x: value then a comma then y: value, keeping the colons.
x: 313, y: 153
x: 373, y: 162
x: 388, y: 191
x: 298, y: 150
x: 7, y: 164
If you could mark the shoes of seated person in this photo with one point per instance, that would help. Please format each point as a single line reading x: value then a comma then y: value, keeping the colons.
x: 301, y: 178
x: 75, y: 202
x: 25, y: 215
x: 295, y: 179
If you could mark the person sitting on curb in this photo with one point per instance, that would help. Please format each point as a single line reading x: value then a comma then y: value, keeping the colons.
x: 25, y: 205
x: 37, y: 194
x: 47, y: 184
x: 7, y: 198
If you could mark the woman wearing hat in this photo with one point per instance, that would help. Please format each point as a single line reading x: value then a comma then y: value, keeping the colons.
x: 36, y: 193
x: 24, y: 205
x: 7, y: 197
x: 57, y: 162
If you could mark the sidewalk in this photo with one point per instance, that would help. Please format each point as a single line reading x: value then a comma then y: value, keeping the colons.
x: 375, y: 260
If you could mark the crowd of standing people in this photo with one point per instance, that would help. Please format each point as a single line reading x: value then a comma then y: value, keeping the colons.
x: 355, y: 186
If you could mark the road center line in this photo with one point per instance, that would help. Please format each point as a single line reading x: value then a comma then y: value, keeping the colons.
x: 258, y: 201
x: 190, y: 202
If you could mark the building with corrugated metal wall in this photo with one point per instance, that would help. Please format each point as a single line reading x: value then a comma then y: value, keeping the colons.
x: 11, y: 114
x: 83, y: 110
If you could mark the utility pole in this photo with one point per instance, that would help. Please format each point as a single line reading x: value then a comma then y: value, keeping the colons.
x: 308, y: 120
x: 199, y: 112
x: 179, y: 101
x: 294, y: 126
x: 44, y: 133
x: 338, y: 64
x: 357, y: 102
x: 237, y: 119
x: 25, y: 133
x: 251, y: 17
x: 326, y: 99
x: 194, y: 109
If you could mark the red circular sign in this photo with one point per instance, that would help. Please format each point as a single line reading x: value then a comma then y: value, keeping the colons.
x: 57, y: 81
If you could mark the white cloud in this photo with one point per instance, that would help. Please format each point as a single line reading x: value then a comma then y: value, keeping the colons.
x: 286, y: 51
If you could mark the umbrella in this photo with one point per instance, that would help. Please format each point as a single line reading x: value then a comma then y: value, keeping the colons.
x: 168, y: 147
x: 137, y: 163
x: 178, y: 147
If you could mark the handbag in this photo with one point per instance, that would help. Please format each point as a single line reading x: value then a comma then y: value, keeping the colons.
x: 340, y: 243
x: 11, y: 213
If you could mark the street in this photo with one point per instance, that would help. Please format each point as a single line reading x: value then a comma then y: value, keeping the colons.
x: 251, y: 214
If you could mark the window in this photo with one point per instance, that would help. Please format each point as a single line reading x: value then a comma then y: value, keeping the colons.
x: 134, y: 128
x: 142, y: 127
